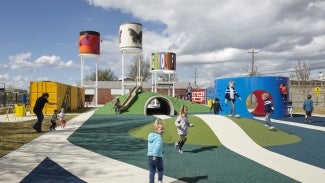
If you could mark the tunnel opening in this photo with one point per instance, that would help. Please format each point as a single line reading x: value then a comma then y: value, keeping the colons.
x: 255, y: 103
x: 158, y: 105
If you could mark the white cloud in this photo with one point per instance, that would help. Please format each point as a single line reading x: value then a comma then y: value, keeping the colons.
x: 52, y: 61
x: 42, y: 79
x: 217, y: 35
x: 19, y: 62
x: 3, y: 66
x: 20, y: 79
x: 22, y: 62
x: 4, y: 77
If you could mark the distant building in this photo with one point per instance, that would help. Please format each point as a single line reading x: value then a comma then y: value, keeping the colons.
x: 109, y: 90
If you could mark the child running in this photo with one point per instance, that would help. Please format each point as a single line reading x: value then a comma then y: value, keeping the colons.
x: 62, y: 118
x: 182, y: 123
x: 54, y: 118
x: 268, y: 108
x: 155, y: 151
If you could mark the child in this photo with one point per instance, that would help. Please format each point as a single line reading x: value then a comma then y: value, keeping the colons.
x: 54, y: 118
x: 182, y: 123
x: 117, y: 106
x: 290, y: 108
x: 155, y: 151
x: 268, y: 108
x: 284, y: 92
x: 216, y: 106
x: 230, y: 96
x: 308, y: 107
x: 62, y: 118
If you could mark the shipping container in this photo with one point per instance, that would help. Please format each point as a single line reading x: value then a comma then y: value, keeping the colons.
x: 65, y: 96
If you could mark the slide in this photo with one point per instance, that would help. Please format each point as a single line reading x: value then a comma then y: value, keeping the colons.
x: 130, y: 98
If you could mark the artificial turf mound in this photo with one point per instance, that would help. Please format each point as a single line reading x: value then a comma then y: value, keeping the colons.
x: 137, y: 105
x: 201, y: 134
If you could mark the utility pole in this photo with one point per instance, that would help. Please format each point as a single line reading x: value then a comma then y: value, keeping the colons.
x: 195, y: 77
x: 253, y: 73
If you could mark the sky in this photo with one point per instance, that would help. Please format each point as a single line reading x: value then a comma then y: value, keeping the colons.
x: 212, y: 39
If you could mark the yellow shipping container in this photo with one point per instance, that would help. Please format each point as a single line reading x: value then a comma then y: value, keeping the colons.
x: 65, y: 96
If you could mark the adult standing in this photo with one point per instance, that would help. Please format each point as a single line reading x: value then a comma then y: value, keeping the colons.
x: 38, y: 110
x: 189, y: 92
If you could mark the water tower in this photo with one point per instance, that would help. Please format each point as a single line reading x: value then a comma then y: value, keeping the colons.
x: 163, y: 62
x: 130, y: 39
x: 89, y: 47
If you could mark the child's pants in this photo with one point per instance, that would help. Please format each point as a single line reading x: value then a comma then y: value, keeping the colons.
x: 153, y: 165
x: 232, y: 108
x: 268, y: 119
x: 63, y: 122
x: 53, y: 125
x: 182, y: 141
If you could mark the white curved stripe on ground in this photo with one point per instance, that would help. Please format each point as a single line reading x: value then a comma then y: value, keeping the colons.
x: 303, y: 125
x: 87, y: 165
x: 235, y: 139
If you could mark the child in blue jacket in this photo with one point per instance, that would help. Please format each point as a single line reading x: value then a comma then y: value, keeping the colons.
x: 155, y: 151
x: 308, y: 107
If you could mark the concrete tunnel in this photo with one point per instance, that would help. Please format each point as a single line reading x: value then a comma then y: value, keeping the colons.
x: 159, y: 105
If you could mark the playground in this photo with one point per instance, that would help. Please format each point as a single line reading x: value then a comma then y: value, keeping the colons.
x: 100, y: 146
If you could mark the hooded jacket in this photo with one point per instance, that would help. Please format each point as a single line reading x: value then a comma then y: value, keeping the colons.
x: 155, y: 145
x: 182, y: 125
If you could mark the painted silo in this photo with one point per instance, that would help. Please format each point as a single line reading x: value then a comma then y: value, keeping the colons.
x: 130, y: 37
x: 89, y: 43
x: 163, y: 61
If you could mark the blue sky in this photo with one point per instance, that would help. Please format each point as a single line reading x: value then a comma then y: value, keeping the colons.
x: 40, y: 37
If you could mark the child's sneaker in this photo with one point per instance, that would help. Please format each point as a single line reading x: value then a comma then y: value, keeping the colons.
x: 180, y: 151
x: 176, y: 145
x: 271, y: 128
x: 267, y: 126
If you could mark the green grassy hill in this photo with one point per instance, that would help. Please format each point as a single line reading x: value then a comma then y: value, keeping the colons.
x: 137, y: 106
x: 201, y: 133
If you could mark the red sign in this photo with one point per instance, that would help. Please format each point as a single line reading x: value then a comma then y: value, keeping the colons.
x: 198, y: 96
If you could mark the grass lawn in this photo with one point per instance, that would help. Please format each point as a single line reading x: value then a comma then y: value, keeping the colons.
x: 15, y: 134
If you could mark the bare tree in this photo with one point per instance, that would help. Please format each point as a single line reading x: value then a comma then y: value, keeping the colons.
x: 144, y: 68
x: 168, y: 77
x: 301, y: 72
x: 103, y: 75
